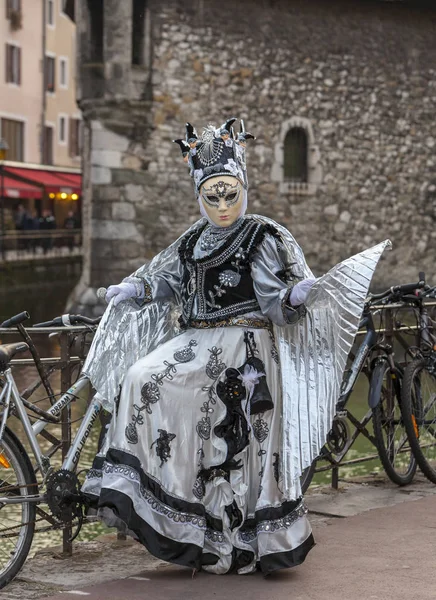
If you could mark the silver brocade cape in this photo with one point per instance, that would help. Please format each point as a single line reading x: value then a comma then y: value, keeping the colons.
x: 313, y: 352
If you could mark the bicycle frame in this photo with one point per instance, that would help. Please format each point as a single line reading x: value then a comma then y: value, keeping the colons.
x: 10, y: 391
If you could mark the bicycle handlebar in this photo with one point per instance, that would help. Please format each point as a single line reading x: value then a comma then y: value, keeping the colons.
x: 398, y: 290
x: 69, y: 321
x: 15, y: 320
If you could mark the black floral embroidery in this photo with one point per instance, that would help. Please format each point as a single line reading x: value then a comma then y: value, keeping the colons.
x: 214, y: 367
x: 260, y: 430
x: 274, y: 351
x: 163, y: 449
x: 150, y: 392
x: 186, y: 354
x: 228, y: 279
x: 276, y: 466
x: 131, y: 433
x: 199, y: 488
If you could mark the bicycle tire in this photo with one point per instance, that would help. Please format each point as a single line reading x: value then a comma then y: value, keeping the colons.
x: 307, y: 476
x: 14, y: 454
x: 414, y: 404
x: 387, y: 422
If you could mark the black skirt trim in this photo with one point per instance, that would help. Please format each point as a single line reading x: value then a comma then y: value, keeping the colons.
x: 179, y: 553
x: 118, y: 457
x: 272, y: 514
x: 284, y: 560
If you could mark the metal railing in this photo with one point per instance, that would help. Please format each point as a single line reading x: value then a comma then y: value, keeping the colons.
x: 39, y: 244
x: 73, y: 346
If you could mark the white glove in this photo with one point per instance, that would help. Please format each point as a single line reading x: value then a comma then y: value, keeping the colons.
x: 122, y: 291
x: 300, y: 291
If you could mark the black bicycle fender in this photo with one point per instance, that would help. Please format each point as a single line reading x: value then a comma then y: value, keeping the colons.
x: 376, y: 382
x: 22, y: 452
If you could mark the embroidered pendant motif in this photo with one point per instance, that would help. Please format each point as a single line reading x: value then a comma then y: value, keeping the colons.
x: 260, y: 430
x: 150, y: 394
x: 186, y: 354
x: 199, y: 488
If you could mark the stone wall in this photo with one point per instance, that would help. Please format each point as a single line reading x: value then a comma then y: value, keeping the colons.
x: 362, y: 72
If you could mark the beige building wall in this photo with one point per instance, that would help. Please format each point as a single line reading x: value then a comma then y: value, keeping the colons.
x: 23, y: 102
x: 62, y: 113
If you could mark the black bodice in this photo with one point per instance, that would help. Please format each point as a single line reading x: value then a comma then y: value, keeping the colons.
x: 221, y: 281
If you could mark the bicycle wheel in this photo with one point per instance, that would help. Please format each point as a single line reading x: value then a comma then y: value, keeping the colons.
x: 419, y: 413
x: 389, y: 430
x: 17, y: 521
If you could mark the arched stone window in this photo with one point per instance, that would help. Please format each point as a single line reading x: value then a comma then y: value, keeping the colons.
x: 138, y: 32
x: 295, y: 155
x: 296, y: 166
x: 96, y: 8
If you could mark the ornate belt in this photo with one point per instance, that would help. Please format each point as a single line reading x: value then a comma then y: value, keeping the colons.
x: 232, y: 322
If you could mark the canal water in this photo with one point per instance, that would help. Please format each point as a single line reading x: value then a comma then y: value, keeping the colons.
x: 45, y: 301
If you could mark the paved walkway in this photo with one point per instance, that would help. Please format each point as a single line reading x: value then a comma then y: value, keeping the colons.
x: 375, y: 541
x: 385, y: 554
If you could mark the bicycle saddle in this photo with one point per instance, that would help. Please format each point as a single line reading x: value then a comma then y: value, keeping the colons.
x: 8, y: 351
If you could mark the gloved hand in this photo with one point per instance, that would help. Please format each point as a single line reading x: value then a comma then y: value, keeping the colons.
x: 122, y: 291
x: 300, y: 291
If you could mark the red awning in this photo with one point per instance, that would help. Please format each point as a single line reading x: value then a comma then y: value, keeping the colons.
x: 52, y: 182
x: 18, y: 189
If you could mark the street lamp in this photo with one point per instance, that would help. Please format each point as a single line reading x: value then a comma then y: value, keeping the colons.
x: 4, y: 147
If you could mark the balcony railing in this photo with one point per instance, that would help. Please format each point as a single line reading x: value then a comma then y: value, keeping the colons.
x: 31, y: 245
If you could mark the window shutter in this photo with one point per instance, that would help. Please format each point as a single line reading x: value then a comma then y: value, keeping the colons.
x: 73, y: 137
x: 8, y: 63
x: 19, y: 66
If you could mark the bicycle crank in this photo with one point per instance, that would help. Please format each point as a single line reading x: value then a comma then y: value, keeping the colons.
x: 63, y: 495
x: 338, y: 435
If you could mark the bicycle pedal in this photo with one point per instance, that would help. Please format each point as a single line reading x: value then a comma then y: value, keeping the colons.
x: 341, y: 414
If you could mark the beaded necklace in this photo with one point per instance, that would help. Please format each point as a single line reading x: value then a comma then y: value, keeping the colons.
x: 214, y: 236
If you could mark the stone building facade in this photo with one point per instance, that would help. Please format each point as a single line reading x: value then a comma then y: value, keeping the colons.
x: 354, y: 80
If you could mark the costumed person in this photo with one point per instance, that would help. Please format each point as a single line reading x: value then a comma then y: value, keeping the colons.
x: 221, y: 362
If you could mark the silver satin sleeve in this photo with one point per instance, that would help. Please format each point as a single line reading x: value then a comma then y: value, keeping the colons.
x: 272, y: 293
x: 163, y: 285
x: 313, y: 357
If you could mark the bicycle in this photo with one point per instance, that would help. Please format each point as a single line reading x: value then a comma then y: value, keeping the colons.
x: 20, y: 493
x: 419, y: 389
x: 376, y: 360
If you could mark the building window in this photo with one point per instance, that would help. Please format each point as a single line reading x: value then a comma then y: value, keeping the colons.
x: 95, y: 8
x: 63, y: 73
x: 138, y: 32
x: 13, y: 64
x: 50, y: 13
x: 63, y: 5
x: 50, y: 79
x: 12, y: 6
x: 297, y: 166
x: 75, y: 137
x: 48, y: 145
x: 14, y: 14
x: 13, y: 133
x: 295, y: 155
x: 63, y: 133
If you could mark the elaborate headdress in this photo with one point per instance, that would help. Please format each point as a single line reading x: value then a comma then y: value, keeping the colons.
x: 216, y: 152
